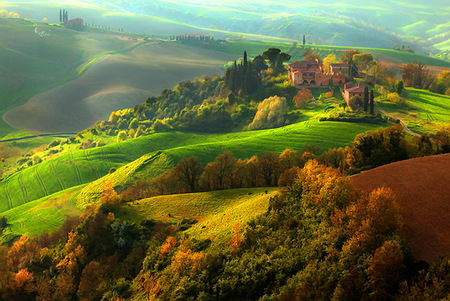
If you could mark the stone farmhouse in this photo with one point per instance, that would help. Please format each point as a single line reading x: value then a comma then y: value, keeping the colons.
x: 310, y: 74
x: 78, y: 22
x: 351, y: 90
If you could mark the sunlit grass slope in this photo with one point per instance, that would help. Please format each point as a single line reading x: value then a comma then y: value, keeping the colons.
x: 423, y: 112
x: 243, y: 145
x: 85, y: 166
x: 43, y: 215
x: 216, y: 213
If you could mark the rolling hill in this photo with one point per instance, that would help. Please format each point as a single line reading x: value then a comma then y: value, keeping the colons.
x: 423, y: 193
x: 213, y: 214
x: 113, y: 83
x: 29, y: 190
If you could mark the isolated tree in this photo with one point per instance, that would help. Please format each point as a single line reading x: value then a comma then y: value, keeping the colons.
x: 270, y: 113
x: 400, y: 87
x: 304, y: 40
x: 272, y: 56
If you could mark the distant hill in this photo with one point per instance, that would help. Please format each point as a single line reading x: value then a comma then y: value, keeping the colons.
x: 347, y: 23
x: 423, y: 192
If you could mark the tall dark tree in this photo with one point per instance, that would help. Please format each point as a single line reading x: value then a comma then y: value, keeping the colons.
x: 304, y: 40
x: 245, y: 58
x: 60, y: 16
x: 372, y: 103
x: 366, y: 99
x: 352, y: 69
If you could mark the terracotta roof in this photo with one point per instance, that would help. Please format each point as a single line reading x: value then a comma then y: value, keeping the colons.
x: 339, y: 65
x: 303, y: 64
x: 356, y: 89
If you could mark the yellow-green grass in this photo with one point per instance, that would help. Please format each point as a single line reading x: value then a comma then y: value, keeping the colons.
x: 424, y: 112
x: 84, y: 166
x: 43, y: 215
x: 218, y: 213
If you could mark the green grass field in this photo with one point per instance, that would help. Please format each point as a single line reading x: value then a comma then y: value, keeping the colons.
x: 424, y: 112
x: 217, y: 213
x: 84, y: 166
x: 43, y: 215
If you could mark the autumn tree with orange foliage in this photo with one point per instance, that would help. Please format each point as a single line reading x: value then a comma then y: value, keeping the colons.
x: 303, y: 97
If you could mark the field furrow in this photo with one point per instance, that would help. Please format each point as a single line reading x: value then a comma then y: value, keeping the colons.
x: 88, y: 159
x: 55, y: 173
x: 41, y: 183
x: 77, y: 170
x: 23, y: 187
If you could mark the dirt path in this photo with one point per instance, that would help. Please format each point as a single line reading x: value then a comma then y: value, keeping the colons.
x: 403, y: 124
x: 60, y: 135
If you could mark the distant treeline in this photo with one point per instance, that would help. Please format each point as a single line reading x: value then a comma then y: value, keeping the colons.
x: 193, y: 37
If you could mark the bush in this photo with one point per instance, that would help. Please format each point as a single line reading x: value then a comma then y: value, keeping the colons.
x: 356, y: 103
x: 394, y: 97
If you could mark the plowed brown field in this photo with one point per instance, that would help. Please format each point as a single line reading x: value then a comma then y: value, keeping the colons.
x: 422, y: 186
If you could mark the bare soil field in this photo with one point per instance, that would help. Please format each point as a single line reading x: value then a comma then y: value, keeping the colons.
x: 115, y: 83
x: 422, y: 186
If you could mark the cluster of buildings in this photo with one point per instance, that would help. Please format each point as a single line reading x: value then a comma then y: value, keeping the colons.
x: 311, y: 74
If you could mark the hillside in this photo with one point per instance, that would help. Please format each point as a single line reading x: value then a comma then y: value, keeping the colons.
x: 423, y: 111
x: 115, y: 82
x: 38, y: 57
x: 345, y: 23
x: 207, y: 215
x: 84, y: 166
x: 423, y: 193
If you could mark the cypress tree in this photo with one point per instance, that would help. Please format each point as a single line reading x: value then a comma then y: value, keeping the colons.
x: 372, y: 103
x: 304, y: 40
x: 60, y: 16
x: 366, y: 99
